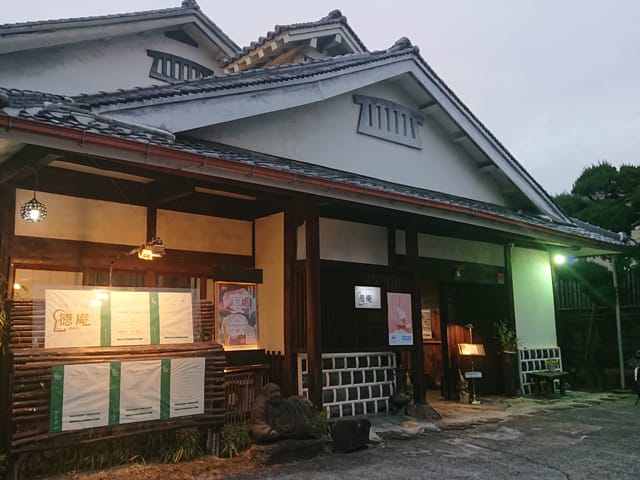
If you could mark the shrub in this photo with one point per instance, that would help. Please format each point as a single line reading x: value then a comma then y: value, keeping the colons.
x: 234, y: 439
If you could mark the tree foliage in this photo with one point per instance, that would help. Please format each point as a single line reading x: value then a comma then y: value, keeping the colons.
x: 605, y: 196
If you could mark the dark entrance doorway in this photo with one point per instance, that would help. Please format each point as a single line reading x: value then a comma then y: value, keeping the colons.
x: 481, y: 306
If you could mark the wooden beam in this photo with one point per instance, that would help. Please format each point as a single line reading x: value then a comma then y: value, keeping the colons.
x: 163, y: 192
x: 313, y: 307
x: 286, y: 57
x: 292, y: 218
x: 24, y: 163
x: 418, y: 351
x: 430, y: 108
x: 458, y: 137
x: 76, y: 256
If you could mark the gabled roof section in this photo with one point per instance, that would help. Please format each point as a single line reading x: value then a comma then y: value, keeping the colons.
x: 189, y: 105
x: 17, y: 37
x: 329, y: 36
x: 58, y: 119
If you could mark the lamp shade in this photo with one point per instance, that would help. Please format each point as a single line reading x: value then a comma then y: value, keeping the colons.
x: 33, y: 210
x: 471, y: 349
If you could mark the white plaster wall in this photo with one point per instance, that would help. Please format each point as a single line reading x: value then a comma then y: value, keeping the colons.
x: 107, y: 65
x: 325, y: 133
x: 200, y: 233
x: 344, y: 241
x: 533, y: 298
x: 460, y: 250
x: 269, y: 232
x: 72, y: 218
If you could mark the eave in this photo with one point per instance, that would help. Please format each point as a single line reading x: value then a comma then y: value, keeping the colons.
x: 192, y: 163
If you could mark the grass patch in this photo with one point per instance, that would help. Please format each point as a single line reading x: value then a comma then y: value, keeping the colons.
x: 165, y: 447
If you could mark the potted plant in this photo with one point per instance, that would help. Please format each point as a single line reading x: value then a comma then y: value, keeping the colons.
x: 507, y: 337
x: 508, y: 340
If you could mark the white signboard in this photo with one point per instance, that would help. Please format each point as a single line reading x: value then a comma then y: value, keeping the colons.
x: 79, y: 396
x: 367, y: 297
x: 175, y: 312
x: 90, y: 318
x: 72, y: 318
x: 139, y: 391
x: 130, y: 318
x: 187, y: 387
x: 100, y: 394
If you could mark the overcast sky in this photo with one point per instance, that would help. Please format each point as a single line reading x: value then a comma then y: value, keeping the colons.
x: 557, y: 82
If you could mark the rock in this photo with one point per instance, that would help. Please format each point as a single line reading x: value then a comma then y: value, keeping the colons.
x: 350, y: 434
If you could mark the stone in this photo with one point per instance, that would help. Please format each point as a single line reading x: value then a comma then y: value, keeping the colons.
x: 274, y: 418
x: 350, y: 434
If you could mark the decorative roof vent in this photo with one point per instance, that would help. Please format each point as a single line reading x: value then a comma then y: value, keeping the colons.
x: 389, y: 121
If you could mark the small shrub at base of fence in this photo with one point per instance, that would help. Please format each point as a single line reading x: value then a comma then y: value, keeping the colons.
x: 234, y: 439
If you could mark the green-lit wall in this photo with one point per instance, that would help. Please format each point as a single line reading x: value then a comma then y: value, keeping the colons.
x: 533, y: 298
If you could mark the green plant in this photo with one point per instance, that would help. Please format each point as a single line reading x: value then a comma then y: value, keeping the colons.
x: 3, y: 464
x: 323, y: 425
x: 167, y: 447
x: 552, y: 363
x: 234, y: 439
x: 507, y: 337
x: 4, y: 316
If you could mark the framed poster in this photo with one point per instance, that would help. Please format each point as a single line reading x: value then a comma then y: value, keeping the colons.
x: 367, y: 297
x: 237, y: 314
x: 399, y: 319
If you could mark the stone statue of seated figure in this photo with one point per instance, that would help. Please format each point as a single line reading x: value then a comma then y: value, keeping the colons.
x: 275, y: 418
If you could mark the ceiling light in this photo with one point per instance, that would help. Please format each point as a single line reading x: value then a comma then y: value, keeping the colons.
x: 33, y: 210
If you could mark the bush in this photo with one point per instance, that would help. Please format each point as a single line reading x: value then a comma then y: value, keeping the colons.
x: 166, y: 447
x: 234, y: 439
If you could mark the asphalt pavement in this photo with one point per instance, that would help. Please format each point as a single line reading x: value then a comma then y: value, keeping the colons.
x: 581, y: 436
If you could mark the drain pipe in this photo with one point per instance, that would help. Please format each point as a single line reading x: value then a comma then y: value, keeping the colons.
x: 614, y: 273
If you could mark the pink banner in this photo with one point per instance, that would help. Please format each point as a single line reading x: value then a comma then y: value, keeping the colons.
x: 399, y: 319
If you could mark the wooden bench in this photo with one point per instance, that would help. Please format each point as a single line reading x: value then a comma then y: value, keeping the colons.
x: 543, y: 382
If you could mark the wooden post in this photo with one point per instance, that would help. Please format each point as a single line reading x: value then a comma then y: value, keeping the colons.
x: 8, y: 202
x: 288, y: 372
x: 313, y: 310
x: 413, y: 260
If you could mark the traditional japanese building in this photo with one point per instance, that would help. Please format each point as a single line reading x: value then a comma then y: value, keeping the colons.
x: 362, y: 214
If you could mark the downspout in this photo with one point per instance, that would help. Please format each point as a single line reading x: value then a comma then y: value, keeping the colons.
x: 614, y: 274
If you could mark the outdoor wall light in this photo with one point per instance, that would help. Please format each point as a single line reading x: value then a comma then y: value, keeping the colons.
x: 559, y: 259
x: 33, y: 210
x: 152, y: 249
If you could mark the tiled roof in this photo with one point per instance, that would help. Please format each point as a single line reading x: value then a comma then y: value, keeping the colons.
x: 261, y: 77
x: 24, y: 104
x: 279, y: 75
x: 334, y: 17
x: 186, y: 6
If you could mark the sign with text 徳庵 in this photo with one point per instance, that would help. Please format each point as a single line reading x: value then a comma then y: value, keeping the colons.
x: 91, y: 318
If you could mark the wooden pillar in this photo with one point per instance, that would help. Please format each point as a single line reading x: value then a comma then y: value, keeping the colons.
x: 290, y: 364
x: 413, y: 260
x: 508, y: 283
x: 313, y: 308
x: 7, y: 215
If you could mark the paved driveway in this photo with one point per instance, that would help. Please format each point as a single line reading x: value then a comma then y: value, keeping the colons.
x: 599, y: 441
